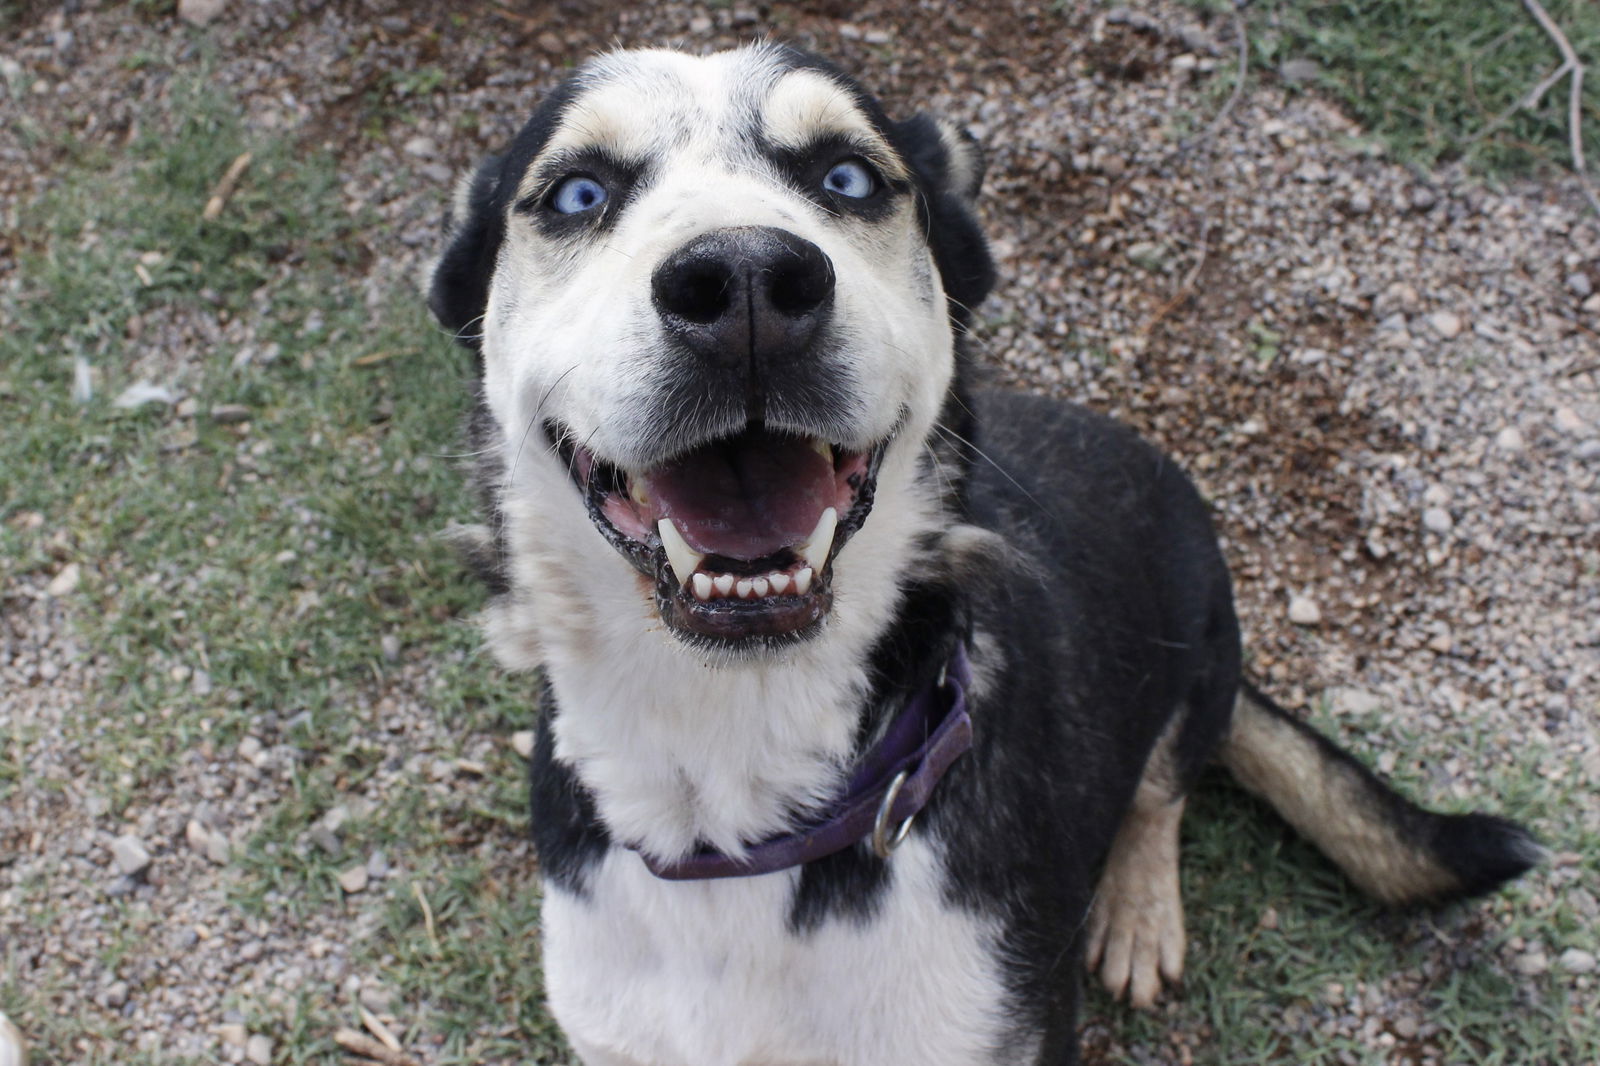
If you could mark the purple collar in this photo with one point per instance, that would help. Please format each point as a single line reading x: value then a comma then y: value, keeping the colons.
x: 891, y: 783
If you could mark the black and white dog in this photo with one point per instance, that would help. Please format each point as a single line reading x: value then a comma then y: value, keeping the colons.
x: 871, y: 699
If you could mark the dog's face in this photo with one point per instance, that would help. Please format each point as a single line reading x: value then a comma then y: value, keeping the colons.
x: 716, y: 301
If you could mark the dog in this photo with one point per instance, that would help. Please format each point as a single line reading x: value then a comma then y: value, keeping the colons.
x: 871, y: 697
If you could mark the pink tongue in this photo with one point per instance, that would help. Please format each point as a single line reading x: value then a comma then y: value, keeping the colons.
x: 746, y: 497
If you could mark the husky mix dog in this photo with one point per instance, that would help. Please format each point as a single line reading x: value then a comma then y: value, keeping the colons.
x: 871, y: 698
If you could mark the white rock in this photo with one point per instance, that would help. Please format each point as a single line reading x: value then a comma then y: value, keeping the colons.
x: 1576, y: 960
x: 421, y: 147
x: 233, y: 1034
x: 1303, y: 611
x: 142, y: 392
x: 1531, y: 964
x: 1579, y: 285
x: 258, y: 1049
x: 1354, y: 701
x: 129, y: 855
x: 522, y: 743
x: 1569, y: 421
x: 66, y: 582
x: 1438, y: 520
x: 354, y: 879
x: 1446, y: 323
x: 1510, y: 440
x: 199, y: 12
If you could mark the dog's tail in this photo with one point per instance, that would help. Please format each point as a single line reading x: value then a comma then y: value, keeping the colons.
x: 1391, y: 848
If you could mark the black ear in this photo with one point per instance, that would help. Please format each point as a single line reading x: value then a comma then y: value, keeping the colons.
x: 949, y: 168
x: 459, y: 293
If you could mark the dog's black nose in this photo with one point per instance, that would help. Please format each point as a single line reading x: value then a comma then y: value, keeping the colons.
x: 746, y: 295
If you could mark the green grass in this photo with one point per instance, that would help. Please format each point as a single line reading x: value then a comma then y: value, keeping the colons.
x: 272, y: 555
x: 1430, y: 76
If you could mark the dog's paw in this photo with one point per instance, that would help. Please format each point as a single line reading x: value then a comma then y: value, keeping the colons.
x: 1136, y: 920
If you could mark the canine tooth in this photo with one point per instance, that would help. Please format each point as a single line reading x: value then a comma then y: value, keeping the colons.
x: 743, y: 588
x: 760, y: 585
x: 815, y: 549
x: 802, y: 581
x: 637, y: 492
x: 702, y: 586
x: 780, y: 583
x: 822, y: 448
x: 723, y: 584
x: 683, y: 559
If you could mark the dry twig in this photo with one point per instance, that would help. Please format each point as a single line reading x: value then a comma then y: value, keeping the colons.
x: 1239, y: 79
x: 1570, y: 65
x: 225, y: 187
x: 362, y: 1044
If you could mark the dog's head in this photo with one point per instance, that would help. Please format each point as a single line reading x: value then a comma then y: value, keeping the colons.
x: 716, y: 301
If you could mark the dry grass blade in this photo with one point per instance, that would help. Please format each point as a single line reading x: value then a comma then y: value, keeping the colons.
x: 427, y: 916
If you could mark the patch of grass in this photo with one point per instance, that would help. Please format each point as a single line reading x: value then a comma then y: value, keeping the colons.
x: 470, y: 964
x: 1429, y: 76
x: 240, y: 577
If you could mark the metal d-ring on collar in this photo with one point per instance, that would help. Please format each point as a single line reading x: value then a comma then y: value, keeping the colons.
x: 892, y: 781
x: 883, y: 841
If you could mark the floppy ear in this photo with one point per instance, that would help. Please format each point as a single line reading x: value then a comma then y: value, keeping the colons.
x: 459, y: 293
x: 949, y: 167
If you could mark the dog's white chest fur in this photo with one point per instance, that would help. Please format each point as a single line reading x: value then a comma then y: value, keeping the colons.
x: 647, y: 972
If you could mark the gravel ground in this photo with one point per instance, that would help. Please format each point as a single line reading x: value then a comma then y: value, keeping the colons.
x: 1388, y: 381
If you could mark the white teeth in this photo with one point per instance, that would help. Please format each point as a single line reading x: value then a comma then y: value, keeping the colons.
x: 638, y: 493
x: 776, y: 583
x: 683, y: 559
x: 816, y: 547
x: 822, y: 448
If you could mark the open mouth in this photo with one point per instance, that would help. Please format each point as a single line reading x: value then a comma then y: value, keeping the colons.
x: 739, y: 534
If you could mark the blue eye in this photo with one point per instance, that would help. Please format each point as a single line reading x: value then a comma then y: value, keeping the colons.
x: 578, y: 194
x: 851, y: 178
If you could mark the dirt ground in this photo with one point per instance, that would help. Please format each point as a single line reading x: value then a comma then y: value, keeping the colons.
x: 1387, y: 381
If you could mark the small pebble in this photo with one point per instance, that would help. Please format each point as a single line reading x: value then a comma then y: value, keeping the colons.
x: 389, y: 645
x: 129, y: 855
x: 228, y: 414
x: 1303, y: 611
x: 258, y: 1049
x: 1569, y: 421
x: 522, y: 743
x: 1510, y: 440
x: 1531, y: 964
x: 65, y: 582
x: 378, y: 865
x: 233, y: 1034
x: 1438, y: 520
x: 354, y: 879
x: 1446, y: 323
x: 1579, y: 285
x: 1576, y: 960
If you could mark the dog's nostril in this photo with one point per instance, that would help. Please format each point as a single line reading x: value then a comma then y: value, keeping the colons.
x: 801, y: 282
x: 696, y: 290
